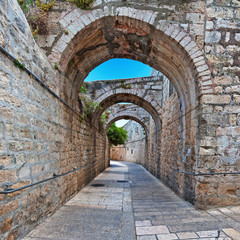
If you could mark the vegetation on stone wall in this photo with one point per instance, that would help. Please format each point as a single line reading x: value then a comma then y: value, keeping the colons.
x: 83, y: 89
x: 83, y: 4
x: 117, y: 135
x: 89, y: 107
x: 103, y: 119
x: 37, y: 14
x: 45, y: 6
x: 124, y: 85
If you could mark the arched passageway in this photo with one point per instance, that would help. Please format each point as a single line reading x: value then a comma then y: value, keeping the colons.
x: 167, y: 48
x: 128, y: 111
x: 145, y: 102
x: 136, y: 148
x: 194, y: 44
x: 148, y: 104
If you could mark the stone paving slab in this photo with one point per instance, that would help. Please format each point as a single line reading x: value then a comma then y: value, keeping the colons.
x: 141, y: 209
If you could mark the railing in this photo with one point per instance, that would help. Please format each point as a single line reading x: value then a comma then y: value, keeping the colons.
x: 205, y: 174
x: 8, y: 190
x: 43, y: 84
x: 37, y: 78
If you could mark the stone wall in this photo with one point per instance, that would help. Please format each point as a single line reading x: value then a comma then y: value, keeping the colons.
x: 195, y: 44
x: 172, y: 140
x: 135, y: 149
x: 218, y: 124
x: 118, y: 153
x: 39, y: 135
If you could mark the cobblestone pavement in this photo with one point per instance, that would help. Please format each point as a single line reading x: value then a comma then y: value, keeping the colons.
x: 142, y: 209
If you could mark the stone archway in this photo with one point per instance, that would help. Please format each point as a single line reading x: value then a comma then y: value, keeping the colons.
x: 181, y: 59
x: 146, y: 102
x: 129, y: 111
x: 98, y: 36
x: 128, y: 116
x: 141, y: 145
x: 41, y: 136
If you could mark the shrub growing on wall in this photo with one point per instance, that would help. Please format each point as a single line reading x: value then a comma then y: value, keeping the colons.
x: 117, y: 135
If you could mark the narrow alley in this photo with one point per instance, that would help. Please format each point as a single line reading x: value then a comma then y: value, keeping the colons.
x: 125, y: 202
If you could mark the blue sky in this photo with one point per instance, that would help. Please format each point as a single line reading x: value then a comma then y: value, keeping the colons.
x: 118, y: 69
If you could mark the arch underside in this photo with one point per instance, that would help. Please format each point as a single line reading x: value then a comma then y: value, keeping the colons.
x: 128, y: 117
x: 130, y: 98
x: 121, y: 37
x: 125, y: 37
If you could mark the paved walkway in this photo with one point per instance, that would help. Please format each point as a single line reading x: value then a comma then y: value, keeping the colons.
x: 142, y: 209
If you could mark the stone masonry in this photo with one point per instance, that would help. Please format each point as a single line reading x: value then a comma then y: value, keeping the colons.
x: 135, y: 149
x: 194, y: 43
x: 39, y: 135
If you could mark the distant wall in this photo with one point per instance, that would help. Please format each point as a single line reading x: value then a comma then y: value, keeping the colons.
x: 135, y: 148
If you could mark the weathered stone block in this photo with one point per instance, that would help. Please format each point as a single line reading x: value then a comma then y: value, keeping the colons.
x: 8, y: 175
x: 223, y: 80
x: 7, y: 114
x: 236, y: 98
x: 9, y: 98
x: 212, y: 37
x: 216, y: 99
x: 7, y: 160
x: 229, y: 131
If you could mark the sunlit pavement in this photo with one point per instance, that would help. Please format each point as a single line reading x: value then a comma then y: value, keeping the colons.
x: 133, y: 204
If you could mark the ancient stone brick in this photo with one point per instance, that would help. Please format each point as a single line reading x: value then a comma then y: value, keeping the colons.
x: 195, y: 17
x: 7, y: 113
x: 212, y: 37
x: 216, y: 99
x: 16, y: 146
x: 9, y: 98
x: 207, y: 151
x: 219, y: 89
x: 223, y: 80
x: 5, y: 81
x: 219, y: 12
x: 9, y: 207
x: 235, y: 131
x: 7, y: 225
x: 232, y: 109
x: 7, y: 160
x: 24, y: 172
x: 8, y: 175
x: 236, y: 98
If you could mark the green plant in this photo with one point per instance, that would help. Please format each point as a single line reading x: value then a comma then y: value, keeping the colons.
x: 83, y: 4
x: 34, y: 32
x: 18, y: 64
x: 71, y: 62
x: 117, y: 135
x: 24, y: 5
x: 105, y: 116
x: 45, y: 6
x: 103, y: 119
x: 124, y: 85
x: 89, y: 107
x: 55, y: 66
x: 66, y: 32
x: 83, y: 88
